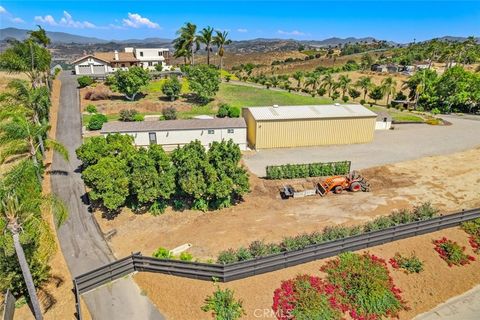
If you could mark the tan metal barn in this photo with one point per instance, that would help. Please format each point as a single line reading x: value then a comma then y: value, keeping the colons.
x: 302, y: 126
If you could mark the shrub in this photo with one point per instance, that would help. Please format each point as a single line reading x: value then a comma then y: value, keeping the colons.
x: 157, y: 208
x: 321, y: 91
x: 138, y: 117
x: 158, y: 67
x: 243, y: 254
x: 291, y: 171
x: 91, y: 108
x: 169, y: 113
x: 223, y: 110
x: 365, y: 286
x: 227, y: 256
x: 162, y: 253
x: 96, y: 122
x: 362, y: 102
x: 172, y: 88
x: 452, y: 252
x: 295, y: 243
x: 258, y: 248
x: 410, y: 264
x: 127, y: 114
x: 435, y: 111
x: 228, y: 77
x: 306, y: 297
x: 84, y: 81
x: 234, y: 112
x: 473, y: 229
x: 186, y: 256
x: 99, y: 93
x: 345, y: 99
x: 223, y: 305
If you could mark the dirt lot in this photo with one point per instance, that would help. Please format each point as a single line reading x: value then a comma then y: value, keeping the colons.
x: 446, y: 181
x: 181, y: 298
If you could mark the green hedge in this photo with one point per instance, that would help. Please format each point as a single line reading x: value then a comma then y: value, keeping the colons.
x: 291, y: 171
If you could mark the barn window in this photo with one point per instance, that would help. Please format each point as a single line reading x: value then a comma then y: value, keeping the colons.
x: 141, y: 54
x: 210, y: 131
x: 385, y: 119
x: 152, y: 136
x: 230, y: 130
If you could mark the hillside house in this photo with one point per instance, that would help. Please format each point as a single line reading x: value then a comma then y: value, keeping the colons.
x: 103, y: 63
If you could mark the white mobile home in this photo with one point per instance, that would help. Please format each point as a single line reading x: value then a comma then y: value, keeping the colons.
x: 171, y: 134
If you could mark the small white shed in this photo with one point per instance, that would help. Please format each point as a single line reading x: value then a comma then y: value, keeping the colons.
x: 171, y: 134
x: 383, y: 122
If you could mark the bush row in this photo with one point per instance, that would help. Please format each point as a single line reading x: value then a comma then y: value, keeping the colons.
x: 290, y: 171
x: 259, y: 248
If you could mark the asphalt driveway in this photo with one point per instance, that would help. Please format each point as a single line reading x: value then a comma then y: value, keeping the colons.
x: 80, y: 239
x: 406, y: 142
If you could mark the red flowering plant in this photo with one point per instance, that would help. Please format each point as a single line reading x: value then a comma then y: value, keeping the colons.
x: 473, y: 229
x: 364, y: 285
x: 306, y: 297
x: 452, y: 252
x: 411, y: 264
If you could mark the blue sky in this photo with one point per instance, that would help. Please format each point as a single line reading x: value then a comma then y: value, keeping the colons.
x: 400, y: 21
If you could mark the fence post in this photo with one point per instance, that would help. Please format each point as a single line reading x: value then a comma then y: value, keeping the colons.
x: 8, y: 306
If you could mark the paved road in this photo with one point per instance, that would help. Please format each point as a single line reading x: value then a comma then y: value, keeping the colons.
x: 463, y: 307
x: 80, y: 239
x: 406, y: 142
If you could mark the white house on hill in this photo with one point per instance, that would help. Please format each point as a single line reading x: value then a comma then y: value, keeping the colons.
x: 102, y: 63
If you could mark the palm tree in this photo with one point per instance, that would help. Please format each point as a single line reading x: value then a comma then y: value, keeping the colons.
x: 389, y: 86
x: 18, y: 137
x: 187, y: 42
x: 344, y: 84
x: 298, y: 75
x: 312, y: 80
x: 40, y: 36
x: 364, y: 83
x: 17, y: 219
x: 206, y: 37
x: 328, y: 83
x: 221, y: 40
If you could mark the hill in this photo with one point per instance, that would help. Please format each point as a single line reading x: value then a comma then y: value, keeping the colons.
x: 56, y: 37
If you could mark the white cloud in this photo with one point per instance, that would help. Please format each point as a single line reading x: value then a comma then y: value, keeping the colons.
x: 242, y: 30
x: 137, y: 21
x: 9, y: 16
x: 291, y: 33
x: 66, y: 21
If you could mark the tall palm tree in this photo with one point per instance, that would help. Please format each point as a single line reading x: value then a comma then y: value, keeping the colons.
x: 19, y: 219
x: 389, y: 86
x: 328, y: 83
x: 221, y: 40
x: 312, y: 80
x: 344, y: 83
x: 206, y: 37
x: 364, y: 83
x: 187, y: 42
x: 18, y: 137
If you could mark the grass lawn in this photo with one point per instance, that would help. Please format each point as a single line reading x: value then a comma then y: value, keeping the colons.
x: 244, y: 96
x: 156, y: 86
x: 398, y: 116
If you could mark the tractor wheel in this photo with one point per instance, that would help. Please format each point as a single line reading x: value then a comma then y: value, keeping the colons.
x: 355, y: 186
x: 338, y: 189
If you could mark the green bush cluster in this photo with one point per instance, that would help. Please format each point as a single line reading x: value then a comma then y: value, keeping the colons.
x: 119, y: 174
x: 225, y: 110
x: 85, y: 81
x: 91, y: 108
x: 259, y: 248
x: 96, y: 121
x: 163, y: 253
x: 130, y: 115
x: 291, y: 171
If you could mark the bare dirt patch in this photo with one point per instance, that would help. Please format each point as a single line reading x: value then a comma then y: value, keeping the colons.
x: 181, y: 298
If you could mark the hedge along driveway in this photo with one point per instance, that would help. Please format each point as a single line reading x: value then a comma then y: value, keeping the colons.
x: 291, y: 171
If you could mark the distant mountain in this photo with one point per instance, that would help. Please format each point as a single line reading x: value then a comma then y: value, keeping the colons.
x: 456, y: 39
x: 146, y: 40
x: 56, y: 37
x: 337, y: 41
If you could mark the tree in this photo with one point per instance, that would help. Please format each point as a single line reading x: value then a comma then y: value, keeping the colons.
x: 312, y: 81
x: 165, y: 169
x: 364, y: 83
x: 204, y: 81
x: 40, y: 36
x: 26, y: 57
x: 96, y: 121
x: 109, y: 182
x: 298, y: 75
x: 172, y: 88
x: 354, y: 94
x: 389, y: 86
x: 344, y: 84
x: 187, y: 42
x: 92, y: 150
x: 221, y: 40
x: 376, y: 93
x: 328, y: 83
x: 206, y: 37
x: 129, y: 82
x: 144, y: 179
x: 223, y: 305
x: 85, y: 81
x: 366, y: 61
x: 19, y: 137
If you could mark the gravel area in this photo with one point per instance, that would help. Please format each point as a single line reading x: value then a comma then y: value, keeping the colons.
x: 406, y: 142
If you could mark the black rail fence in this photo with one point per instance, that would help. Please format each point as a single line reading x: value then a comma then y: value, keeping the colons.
x: 244, y: 269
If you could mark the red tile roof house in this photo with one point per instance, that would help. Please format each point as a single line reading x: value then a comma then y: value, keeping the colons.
x: 101, y: 63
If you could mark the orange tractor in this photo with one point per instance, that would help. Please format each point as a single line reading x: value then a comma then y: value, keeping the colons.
x: 353, y: 182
